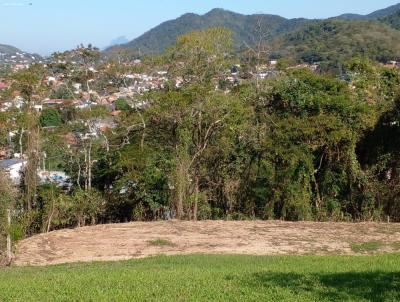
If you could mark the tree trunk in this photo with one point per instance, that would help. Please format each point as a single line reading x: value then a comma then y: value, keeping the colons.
x: 90, y: 166
x: 78, y: 180
x: 9, y: 243
x: 31, y: 181
x: 20, y: 142
x: 196, y: 197
x: 86, y: 169
x: 181, y: 190
x: 50, y: 218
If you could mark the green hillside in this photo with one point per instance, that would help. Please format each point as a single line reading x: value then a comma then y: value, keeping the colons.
x: 337, y: 40
x: 244, y: 27
x: 392, y: 20
x: 372, y: 16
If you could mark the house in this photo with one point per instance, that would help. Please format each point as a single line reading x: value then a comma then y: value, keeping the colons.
x: 77, y: 88
x: 56, y: 103
x: 5, y: 152
x: 51, y: 81
x: 71, y: 139
x: 3, y: 86
x: 38, y: 108
x: 14, y: 167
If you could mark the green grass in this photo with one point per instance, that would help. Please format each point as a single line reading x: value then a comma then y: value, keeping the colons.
x: 366, y: 247
x: 161, y: 242
x: 210, y: 278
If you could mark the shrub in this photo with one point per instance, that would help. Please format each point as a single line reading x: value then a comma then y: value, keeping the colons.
x: 50, y: 118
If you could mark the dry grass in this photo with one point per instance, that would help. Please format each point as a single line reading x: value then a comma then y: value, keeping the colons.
x: 140, y: 239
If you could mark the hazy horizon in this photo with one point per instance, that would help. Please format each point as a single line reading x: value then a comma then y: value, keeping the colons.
x: 43, y: 26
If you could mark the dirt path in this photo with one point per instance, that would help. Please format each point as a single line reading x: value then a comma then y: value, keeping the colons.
x: 125, y: 241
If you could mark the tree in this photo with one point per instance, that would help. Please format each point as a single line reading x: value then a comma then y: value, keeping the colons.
x: 8, y: 196
x: 28, y: 83
x: 200, y: 56
x: 50, y: 118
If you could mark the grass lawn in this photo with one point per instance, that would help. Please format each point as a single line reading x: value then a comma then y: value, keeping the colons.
x: 210, y: 278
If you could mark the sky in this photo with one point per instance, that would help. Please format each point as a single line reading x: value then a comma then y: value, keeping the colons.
x: 45, y: 26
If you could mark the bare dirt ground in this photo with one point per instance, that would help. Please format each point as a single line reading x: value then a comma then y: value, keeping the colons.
x: 140, y: 239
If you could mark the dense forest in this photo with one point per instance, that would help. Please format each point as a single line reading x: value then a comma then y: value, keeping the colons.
x: 332, y: 42
x: 299, y: 145
x: 392, y: 20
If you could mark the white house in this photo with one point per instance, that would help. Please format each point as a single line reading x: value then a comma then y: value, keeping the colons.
x: 13, y: 167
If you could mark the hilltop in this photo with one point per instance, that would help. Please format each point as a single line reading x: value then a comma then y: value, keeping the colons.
x: 159, y: 38
x: 374, y: 15
x: 10, y: 55
x: 244, y: 27
x: 7, y: 49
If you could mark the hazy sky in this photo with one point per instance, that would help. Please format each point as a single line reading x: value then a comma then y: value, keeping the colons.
x: 50, y: 25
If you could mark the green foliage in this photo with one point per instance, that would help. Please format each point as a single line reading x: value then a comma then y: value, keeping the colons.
x: 87, y: 206
x: 122, y: 104
x: 201, y: 55
x: 50, y: 118
x: 289, y: 149
x: 58, y: 210
x: 331, y: 42
x: 210, y: 278
x: 63, y: 93
x: 392, y: 20
x: 94, y: 112
x: 8, y: 200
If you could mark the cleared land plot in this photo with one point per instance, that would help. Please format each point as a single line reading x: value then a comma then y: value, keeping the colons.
x: 137, y: 240
x: 210, y: 278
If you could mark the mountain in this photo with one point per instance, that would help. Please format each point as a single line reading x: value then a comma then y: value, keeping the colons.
x: 7, y: 49
x: 162, y: 36
x: 243, y: 26
x: 384, y: 12
x: 331, y: 42
x: 118, y: 41
x: 10, y: 55
x: 372, y: 16
x: 392, y: 20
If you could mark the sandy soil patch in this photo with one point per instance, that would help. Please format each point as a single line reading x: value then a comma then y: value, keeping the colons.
x: 142, y: 239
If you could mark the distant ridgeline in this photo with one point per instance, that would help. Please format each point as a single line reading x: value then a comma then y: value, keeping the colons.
x: 16, y: 58
x: 325, y: 41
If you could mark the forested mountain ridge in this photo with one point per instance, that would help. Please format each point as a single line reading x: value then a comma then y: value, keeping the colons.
x: 374, y: 15
x: 164, y: 35
x: 161, y: 37
x: 392, y: 20
x: 330, y: 42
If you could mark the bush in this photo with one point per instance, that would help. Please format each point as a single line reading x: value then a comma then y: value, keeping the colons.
x: 122, y: 104
x: 50, y: 118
